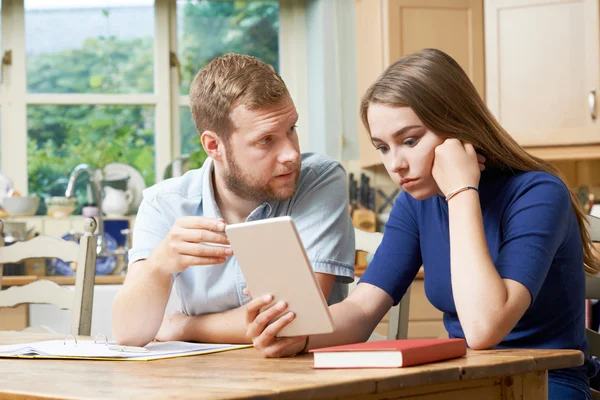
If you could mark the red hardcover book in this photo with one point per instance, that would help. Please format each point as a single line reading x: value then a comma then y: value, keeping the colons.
x: 389, y: 353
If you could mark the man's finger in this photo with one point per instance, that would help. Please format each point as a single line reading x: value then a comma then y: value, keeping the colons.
x: 192, y: 222
x: 190, y: 261
x: 203, y: 250
x: 203, y: 236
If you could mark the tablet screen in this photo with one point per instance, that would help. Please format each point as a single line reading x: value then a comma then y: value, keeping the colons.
x: 274, y: 261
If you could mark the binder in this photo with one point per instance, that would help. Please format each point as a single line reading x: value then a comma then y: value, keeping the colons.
x: 102, y: 349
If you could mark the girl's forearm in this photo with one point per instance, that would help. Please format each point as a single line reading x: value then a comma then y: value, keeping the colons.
x: 479, y: 292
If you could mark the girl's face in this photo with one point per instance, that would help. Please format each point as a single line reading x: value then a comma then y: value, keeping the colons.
x: 406, y: 147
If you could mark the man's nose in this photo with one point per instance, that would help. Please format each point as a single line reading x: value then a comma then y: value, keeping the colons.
x: 290, y: 153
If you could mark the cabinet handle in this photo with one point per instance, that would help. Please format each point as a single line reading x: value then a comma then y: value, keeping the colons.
x: 592, y: 103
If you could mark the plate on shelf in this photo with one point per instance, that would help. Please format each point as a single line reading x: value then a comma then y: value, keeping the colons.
x: 104, y: 265
x: 135, y: 183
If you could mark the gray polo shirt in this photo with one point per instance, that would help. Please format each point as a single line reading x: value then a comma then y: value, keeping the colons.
x: 319, y: 209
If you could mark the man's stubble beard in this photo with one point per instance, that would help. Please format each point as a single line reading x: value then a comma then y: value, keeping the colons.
x: 240, y: 184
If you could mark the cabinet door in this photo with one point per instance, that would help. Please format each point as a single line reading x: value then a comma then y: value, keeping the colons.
x: 453, y: 26
x: 541, y: 69
x: 391, y: 29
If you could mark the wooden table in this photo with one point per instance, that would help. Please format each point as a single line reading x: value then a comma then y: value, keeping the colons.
x: 493, y: 374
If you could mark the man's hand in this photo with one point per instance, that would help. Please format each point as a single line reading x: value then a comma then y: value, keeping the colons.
x: 173, y: 327
x: 191, y: 241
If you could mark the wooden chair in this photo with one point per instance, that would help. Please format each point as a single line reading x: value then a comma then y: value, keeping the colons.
x: 80, y: 300
x: 398, y: 315
x: 592, y: 291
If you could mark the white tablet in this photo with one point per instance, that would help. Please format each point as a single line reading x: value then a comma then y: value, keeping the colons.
x: 274, y: 262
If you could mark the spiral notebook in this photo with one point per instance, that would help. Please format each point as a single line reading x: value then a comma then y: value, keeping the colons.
x: 71, y: 348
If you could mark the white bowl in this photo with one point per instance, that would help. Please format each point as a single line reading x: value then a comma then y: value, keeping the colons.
x: 60, y: 207
x: 21, y: 206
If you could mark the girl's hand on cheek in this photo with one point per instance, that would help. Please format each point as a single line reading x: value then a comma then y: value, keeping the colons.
x: 455, y: 165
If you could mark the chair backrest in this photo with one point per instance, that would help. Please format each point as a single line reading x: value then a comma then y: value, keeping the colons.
x: 398, y: 315
x: 80, y: 300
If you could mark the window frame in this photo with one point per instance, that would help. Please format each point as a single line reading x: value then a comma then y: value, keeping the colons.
x: 166, y: 99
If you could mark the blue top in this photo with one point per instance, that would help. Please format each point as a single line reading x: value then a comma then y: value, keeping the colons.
x: 319, y: 209
x: 533, y: 238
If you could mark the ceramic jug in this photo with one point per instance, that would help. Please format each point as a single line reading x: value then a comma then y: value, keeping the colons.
x: 116, y: 202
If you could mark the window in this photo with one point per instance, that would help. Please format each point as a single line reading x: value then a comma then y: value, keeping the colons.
x: 88, y: 50
x: 97, y: 49
x: 61, y: 137
x: 106, y: 81
x: 209, y: 29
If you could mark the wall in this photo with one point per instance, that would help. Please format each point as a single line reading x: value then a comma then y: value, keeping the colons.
x: 331, y: 66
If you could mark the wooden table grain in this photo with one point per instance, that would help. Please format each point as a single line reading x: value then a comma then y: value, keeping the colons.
x: 241, y: 374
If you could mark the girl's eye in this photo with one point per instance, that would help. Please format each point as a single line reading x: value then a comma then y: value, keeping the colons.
x: 410, y: 142
x: 383, y: 149
x: 265, y: 140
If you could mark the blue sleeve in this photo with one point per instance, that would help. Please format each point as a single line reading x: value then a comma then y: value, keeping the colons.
x: 324, y: 224
x: 398, y: 257
x: 534, y: 227
x: 149, y: 229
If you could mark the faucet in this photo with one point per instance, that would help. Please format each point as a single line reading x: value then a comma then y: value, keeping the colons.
x: 97, y: 195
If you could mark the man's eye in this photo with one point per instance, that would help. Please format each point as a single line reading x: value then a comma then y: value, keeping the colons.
x: 265, y: 140
x: 293, y: 128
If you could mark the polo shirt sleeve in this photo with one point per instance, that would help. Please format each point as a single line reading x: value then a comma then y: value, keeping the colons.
x: 321, y: 215
x: 398, y: 257
x: 535, y: 225
x: 149, y: 229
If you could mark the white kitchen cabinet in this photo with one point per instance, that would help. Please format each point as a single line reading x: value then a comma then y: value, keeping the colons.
x: 542, y: 69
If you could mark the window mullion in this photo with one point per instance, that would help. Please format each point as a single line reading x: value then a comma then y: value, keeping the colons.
x: 175, y: 114
x: 14, y: 108
x: 91, y: 99
x: 163, y: 88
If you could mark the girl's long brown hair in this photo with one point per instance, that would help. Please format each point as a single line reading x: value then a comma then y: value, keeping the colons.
x: 441, y: 94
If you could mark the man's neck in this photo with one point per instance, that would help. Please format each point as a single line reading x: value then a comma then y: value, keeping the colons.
x: 233, y: 208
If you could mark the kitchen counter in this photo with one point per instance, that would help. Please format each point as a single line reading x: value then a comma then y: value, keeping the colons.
x: 358, y: 272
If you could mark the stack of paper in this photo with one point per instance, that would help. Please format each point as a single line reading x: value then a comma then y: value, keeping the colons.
x: 89, y: 349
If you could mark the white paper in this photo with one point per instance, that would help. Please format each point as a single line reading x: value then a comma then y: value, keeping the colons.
x: 91, y: 349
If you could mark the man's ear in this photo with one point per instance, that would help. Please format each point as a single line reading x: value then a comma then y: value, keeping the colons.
x: 213, y: 145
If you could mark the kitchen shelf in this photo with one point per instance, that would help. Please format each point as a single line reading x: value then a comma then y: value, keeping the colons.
x: 61, y: 280
x: 557, y: 153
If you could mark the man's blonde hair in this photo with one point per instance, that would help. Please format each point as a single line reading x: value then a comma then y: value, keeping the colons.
x: 227, y: 82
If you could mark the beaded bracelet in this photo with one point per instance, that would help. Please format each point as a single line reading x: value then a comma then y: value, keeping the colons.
x: 305, y: 346
x: 460, y: 189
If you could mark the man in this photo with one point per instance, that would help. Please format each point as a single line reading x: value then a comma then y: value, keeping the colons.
x: 247, y: 122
